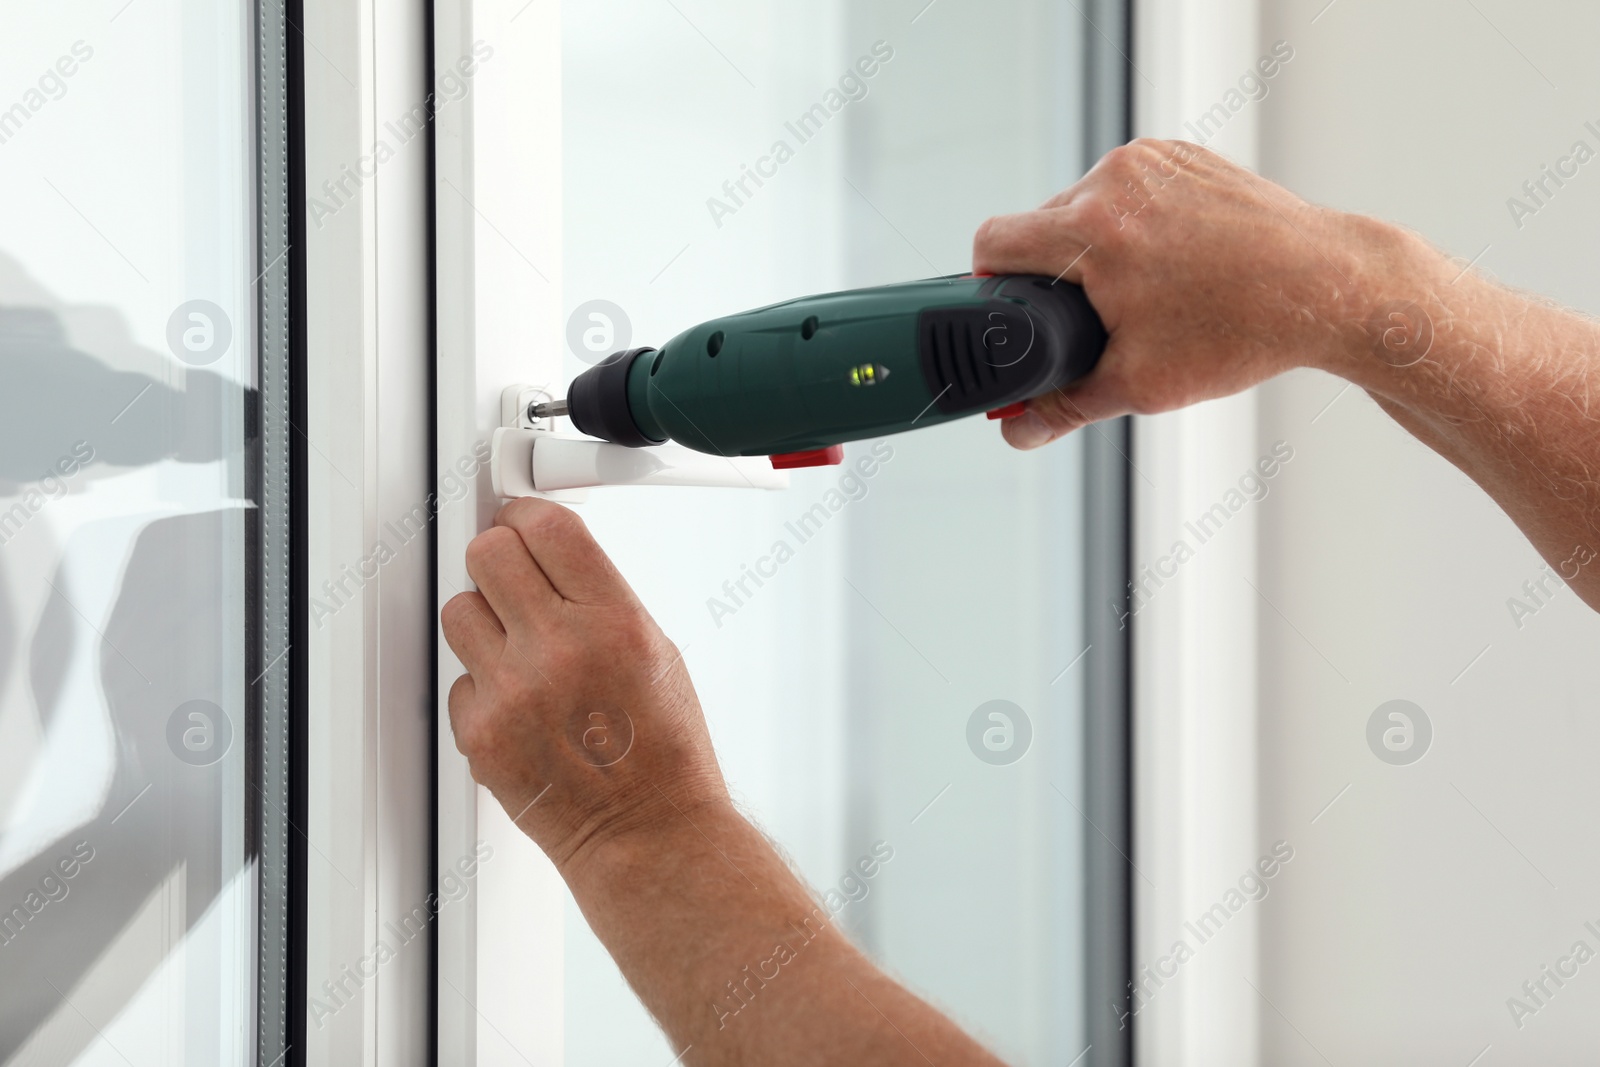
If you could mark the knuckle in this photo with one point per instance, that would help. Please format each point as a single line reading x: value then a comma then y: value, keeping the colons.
x: 472, y: 738
x: 460, y: 691
x: 636, y: 634
x: 482, y: 549
x: 1115, y: 159
x: 987, y: 232
x: 562, y: 521
x: 541, y: 520
x: 455, y: 612
x: 1131, y: 164
x: 469, y: 725
x: 628, y: 626
x: 1123, y: 160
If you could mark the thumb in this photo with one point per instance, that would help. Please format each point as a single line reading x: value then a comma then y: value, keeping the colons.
x: 1062, y: 410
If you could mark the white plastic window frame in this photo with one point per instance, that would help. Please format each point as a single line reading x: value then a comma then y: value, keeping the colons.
x: 371, y: 906
x: 498, y: 247
x: 1194, y: 674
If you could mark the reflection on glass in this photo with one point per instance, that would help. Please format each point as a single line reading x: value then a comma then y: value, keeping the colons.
x: 126, y: 376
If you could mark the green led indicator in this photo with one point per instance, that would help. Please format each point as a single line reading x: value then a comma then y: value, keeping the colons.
x: 868, y: 374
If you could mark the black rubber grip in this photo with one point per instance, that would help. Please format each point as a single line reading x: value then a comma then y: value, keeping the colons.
x: 1031, y: 335
x: 597, y: 401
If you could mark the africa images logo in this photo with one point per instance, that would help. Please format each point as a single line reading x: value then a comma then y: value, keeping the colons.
x: 1399, y: 732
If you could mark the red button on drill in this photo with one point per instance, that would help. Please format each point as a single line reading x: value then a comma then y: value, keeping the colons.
x: 816, y: 457
x: 1010, y: 411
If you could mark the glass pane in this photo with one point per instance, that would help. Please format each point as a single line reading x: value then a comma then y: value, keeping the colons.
x: 849, y: 635
x: 128, y: 562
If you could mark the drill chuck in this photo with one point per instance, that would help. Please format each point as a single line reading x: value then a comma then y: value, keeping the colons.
x: 597, y: 401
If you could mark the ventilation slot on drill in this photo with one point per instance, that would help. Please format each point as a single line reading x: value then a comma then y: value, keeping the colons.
x: 953, y: 361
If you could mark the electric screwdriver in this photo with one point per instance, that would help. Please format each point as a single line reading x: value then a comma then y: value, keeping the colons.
x: 796, y: 380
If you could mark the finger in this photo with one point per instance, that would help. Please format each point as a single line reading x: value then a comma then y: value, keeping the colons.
x: 473, y: 632
x: 463, y: 693
x: 1033, y: 242
x: 1059, y: 412
x: 461, y: 704
x: 564, y: 549
x: 514, y: 585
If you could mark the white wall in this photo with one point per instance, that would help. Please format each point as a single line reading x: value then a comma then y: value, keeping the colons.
x: 1426, y: 894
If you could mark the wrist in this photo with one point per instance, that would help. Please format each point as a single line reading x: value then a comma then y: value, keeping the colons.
x: 659, y: 828
x: 1392, y: 307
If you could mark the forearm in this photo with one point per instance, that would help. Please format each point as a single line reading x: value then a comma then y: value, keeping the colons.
x: 1505, y: 386
x: 730, y: 953
x: 721, y: 941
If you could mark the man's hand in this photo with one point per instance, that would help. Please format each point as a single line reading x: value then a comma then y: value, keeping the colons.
x: 578, y: 715
x: 577, y: 712
x: 1208, y: 279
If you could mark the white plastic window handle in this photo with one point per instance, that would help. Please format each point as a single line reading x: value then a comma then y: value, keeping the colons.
x: 530, y: 462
